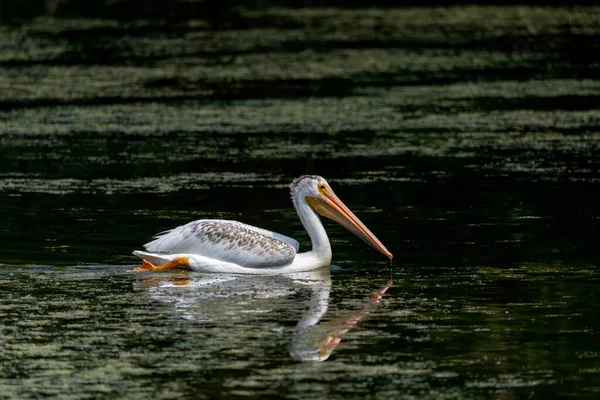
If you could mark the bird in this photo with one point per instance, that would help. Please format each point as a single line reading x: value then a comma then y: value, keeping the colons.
x: 225, y: 246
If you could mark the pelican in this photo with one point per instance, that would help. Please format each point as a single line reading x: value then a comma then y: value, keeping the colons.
x: 223, y: 246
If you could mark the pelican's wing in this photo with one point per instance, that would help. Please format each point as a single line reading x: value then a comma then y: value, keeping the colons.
x: 229, y: 241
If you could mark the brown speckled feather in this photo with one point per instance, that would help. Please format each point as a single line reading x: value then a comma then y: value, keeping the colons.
x: 229, y: 241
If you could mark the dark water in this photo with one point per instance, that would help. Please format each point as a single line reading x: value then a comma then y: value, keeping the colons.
x: 466, y: 138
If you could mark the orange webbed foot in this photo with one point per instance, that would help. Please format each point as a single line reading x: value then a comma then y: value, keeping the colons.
x: 178, y: 262
x: 147, y: 266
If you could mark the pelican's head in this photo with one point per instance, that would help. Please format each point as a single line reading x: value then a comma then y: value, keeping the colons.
x: 318, y: 194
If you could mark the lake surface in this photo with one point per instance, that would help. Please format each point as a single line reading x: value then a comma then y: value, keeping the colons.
x: 466, y: 138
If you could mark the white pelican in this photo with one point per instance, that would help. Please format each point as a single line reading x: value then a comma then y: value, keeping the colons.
x: 233, y: 247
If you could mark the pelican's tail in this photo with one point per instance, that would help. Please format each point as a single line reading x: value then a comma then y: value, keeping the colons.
x: 154, y: 258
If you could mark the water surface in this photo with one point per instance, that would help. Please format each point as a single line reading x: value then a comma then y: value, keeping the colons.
x: 466, y: 138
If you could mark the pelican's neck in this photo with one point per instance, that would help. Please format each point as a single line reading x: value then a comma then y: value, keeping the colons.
x: 312, y: 223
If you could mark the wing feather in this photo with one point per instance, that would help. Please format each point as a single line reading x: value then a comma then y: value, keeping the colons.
x: 229, y: 241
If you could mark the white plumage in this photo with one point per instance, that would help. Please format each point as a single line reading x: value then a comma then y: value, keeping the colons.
x: 232, y: 241
x: 230, y: 246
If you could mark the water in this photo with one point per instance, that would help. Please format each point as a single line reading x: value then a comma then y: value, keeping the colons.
x: 465, y: 138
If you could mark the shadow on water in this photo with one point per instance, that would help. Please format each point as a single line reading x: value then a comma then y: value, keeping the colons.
x: 216, y: 301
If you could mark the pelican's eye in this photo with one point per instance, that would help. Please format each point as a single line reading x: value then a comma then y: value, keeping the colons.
x: 323, y: 189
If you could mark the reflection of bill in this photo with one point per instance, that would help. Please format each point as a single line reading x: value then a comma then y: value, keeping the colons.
x: 312, y: 342
x: 214, y: 298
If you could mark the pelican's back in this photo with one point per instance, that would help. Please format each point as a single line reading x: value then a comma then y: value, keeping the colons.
x: 229, y: 241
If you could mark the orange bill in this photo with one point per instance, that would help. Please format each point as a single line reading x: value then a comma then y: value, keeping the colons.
x: 330, y: 206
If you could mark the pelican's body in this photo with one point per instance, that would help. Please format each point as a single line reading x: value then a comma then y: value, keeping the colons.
x: 233, y: 247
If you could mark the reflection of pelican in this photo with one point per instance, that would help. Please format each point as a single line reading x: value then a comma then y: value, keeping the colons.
x: 313, y: 342
x: 233, y: 247
x: 226, y: 298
